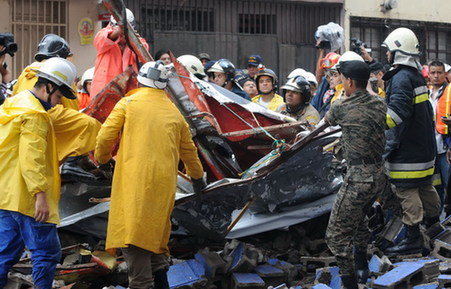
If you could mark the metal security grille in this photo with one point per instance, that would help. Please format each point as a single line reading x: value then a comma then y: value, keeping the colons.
x: 434, y: 38
x: 279, y: 30
x: 31, y: 20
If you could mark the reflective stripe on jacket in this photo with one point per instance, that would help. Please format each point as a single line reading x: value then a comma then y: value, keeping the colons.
x: 443, y: 110
x: 410, y: 149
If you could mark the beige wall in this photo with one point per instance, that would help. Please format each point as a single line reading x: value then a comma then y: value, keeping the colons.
x: 417, y: 10
x: 84, y: 55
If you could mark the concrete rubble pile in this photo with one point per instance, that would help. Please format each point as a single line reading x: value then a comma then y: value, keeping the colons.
x: 296, y: 258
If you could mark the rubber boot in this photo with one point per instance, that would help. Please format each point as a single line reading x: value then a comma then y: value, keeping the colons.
x: 161, y: 279
x: 349, y: 282
x: 361, y: 267
x: 411, y: 244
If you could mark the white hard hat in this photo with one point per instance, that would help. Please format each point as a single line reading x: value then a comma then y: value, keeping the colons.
x: 297, y: 72
x: 350, y: 56
x: 192, y: 64
x: 403, y: 40
x: 130, y: 18
x: 153, y: 74
x: 447, y: 67
x: 61, y: 72
x: 87, y: 75
x: 311, y: 78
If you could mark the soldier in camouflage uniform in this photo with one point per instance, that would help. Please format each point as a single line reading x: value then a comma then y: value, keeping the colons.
x: 361, y: 116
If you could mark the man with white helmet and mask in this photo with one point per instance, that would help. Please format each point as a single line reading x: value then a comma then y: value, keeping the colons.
x: 410, y: 148
x: 155, y: 136
x: 361, y: 116
x: 113, y: 54
x: 30, y: 181
x: 297, y: 96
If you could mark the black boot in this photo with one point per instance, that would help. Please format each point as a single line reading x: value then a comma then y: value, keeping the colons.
x: 161, y: 279
x: 361, y: 267
x: 411, y: 244
x: 349, y: 282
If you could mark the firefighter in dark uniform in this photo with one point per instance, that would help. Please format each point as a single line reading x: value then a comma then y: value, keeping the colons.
x: 411, y: 148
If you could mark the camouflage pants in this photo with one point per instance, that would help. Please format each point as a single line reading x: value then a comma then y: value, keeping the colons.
x: 348, y: 224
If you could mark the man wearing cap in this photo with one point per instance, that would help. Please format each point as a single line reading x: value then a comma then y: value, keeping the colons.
x: 253, y: 61
x: 204, y: 58
x: 361, y: 116
x: 30, y: 180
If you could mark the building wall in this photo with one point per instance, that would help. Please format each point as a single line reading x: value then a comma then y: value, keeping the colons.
x: 418, y: 10
x: 84, y: 55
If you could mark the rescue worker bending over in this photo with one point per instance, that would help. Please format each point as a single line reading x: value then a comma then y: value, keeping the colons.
x: 297, y: 94
x: 30, y: 181
x: 410, y: 149
x: 361, y: 116
x: 267, y: 82
x: 155, y: 136
x: 224, y: 75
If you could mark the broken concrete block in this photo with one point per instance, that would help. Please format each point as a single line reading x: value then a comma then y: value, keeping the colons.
x: 392, y: 229
x: 188, y: 274
x: 270, y: 274
x: 435, y: 230
x: 242, y: 260
x: 444, y: 236
x: 247, y: 280
x: 329, y: 276
x: 430, y: 270
x: 321, y: 286
x: 444, y: 281
x: 427, y: 286
x: 403, y: 276
x: 442, y: 250
x: 212, y: 262
x: 310, y: 264
x: 291, y: 271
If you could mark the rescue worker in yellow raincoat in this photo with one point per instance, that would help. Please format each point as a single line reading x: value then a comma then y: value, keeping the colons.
x: 154, y: 136
x: 29, y: 170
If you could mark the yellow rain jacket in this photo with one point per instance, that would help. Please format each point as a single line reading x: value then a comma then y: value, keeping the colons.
x: 28, y: 78
x: 28, y: 152
x: 275, y: 102
x: 154, y: 136
x: 75, y: 132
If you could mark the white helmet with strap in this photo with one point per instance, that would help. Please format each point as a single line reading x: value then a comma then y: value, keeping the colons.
x: 153, y: 74
x: 403, y: 40
x: 61, y: 72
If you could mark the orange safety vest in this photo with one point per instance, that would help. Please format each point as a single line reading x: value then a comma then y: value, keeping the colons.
x: 443, y: 109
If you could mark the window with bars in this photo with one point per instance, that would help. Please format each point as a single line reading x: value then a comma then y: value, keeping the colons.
x: 31, y: 20
x: 179, y: 19
x: 434, y: 38
x: 257, y: 23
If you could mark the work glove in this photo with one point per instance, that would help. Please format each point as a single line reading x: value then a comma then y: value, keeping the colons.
x: 107, y: 169
x: 198, y: 186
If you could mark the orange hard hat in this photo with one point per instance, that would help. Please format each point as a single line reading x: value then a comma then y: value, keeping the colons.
x: 330, y: 60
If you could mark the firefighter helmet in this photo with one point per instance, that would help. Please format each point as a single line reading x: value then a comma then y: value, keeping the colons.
x: 402, y: 40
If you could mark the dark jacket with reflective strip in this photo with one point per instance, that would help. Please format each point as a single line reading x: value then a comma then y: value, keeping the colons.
x: 410, y: 148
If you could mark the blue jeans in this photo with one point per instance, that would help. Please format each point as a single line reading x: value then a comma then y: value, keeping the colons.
x: 18, y: 231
